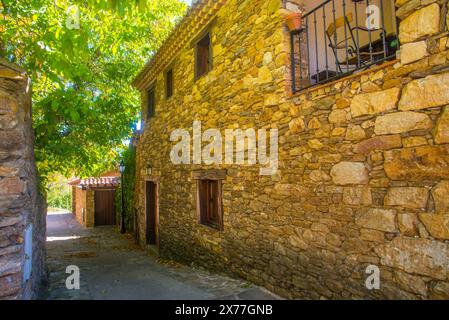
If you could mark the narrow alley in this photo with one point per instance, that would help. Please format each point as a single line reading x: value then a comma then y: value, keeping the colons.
x: 113, y: 267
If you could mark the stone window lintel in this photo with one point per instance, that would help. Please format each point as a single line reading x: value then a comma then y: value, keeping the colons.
x: 212, y: 174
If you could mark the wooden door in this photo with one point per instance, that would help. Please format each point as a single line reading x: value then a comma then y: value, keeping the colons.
x: 151, y: 212
x: 104, y: 207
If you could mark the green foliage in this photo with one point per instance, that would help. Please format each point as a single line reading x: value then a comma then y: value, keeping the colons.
x: 59, y: 194
x: 83, y: 104
x: 128, y: 184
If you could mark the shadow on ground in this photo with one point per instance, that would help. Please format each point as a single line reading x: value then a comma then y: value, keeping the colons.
x: 112, y: 266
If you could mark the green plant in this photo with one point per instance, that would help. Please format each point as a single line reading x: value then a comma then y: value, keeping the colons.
x: 59, y: 193
x: 128, y: 184
x: 83, y: 101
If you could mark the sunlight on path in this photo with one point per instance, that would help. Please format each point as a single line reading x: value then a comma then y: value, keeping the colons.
x: 49, y: 239
x: 112, y: 266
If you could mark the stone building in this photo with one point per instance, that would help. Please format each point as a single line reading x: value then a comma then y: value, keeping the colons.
x: 362, y: 177
x: 22, y: 208
x: 93, y: 200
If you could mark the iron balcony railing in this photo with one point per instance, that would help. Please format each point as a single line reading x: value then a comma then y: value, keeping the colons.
x: 340, y: 37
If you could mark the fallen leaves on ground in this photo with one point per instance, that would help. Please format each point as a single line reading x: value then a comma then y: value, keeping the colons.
x: 168, y: 262
x: 91, y: 241
x: 82, y: 255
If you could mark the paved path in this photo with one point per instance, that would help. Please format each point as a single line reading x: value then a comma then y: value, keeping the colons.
x: 113, y: 267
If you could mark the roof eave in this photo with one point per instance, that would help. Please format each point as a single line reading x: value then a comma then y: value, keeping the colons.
x: 197, y: 10
x: 137, y: 82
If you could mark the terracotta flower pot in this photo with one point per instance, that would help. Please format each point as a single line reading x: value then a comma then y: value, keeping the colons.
x: 294, y: 21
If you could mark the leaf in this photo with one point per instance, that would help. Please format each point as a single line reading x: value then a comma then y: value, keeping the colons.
x: 75, y: 116
x: 67, y: 47
x: 83, y: 102
x: 54, y: 105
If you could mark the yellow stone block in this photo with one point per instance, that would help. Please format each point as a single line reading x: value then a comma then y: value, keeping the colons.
x: 281, y: 60
x: 423, y: 22
x: 217, y: 50
x: 264, y: 75
x: 338, y: 131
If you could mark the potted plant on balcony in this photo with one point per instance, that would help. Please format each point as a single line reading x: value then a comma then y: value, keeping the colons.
x: 294, y: 21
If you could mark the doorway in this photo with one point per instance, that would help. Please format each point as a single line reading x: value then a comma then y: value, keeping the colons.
x: 151, y: 212
x: 104, y: 207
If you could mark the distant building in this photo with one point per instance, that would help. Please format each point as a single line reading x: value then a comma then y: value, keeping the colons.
x: 93, y: 199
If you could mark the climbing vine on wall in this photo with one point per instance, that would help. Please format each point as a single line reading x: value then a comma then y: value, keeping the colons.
x: 129, y: 176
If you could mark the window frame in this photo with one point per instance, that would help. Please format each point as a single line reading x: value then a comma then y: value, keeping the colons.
x: 151, y: 90
x: 172, y: 92
x: 197, y: 41
x: 214, y: 176
x: 305, y: 58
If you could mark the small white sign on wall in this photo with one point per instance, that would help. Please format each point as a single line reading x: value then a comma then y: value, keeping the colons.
x: 28, y: 248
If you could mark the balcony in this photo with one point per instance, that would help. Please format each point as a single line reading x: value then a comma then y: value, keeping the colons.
x: 341, y: 37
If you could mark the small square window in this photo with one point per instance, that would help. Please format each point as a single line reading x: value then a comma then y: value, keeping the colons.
x: 169, y: 83
x: 151, y: 103
x: 209, y: 197
x: 209, y: 193
x: 203, y: 63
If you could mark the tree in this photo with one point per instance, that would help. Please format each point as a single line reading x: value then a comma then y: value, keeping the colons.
x: 83, y: 105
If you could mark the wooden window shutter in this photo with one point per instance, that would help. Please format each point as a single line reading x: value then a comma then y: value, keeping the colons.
x: 203, y: 200
x: 203, y: 56
x: 213, y: 201
x: 209, y: 202
x: 169, y: 83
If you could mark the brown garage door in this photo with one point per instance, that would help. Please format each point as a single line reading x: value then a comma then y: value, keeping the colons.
x: 104, y: 207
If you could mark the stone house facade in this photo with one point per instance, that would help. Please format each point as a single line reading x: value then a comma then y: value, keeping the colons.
x: 22, y: 208
x: 363, y: 172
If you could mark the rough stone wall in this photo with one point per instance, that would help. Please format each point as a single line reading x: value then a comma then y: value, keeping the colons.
x: 74, y: 201
x: 293, y: 5
x: 20, y: 202
x: 364, y: 163
x: 139, y: 199
x: 80, y: 204
x: 90, y: 208
x: 85, y: 199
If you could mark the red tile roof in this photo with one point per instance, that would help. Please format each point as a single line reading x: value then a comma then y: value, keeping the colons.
x: 95, y: 182
x: 74, y: 181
